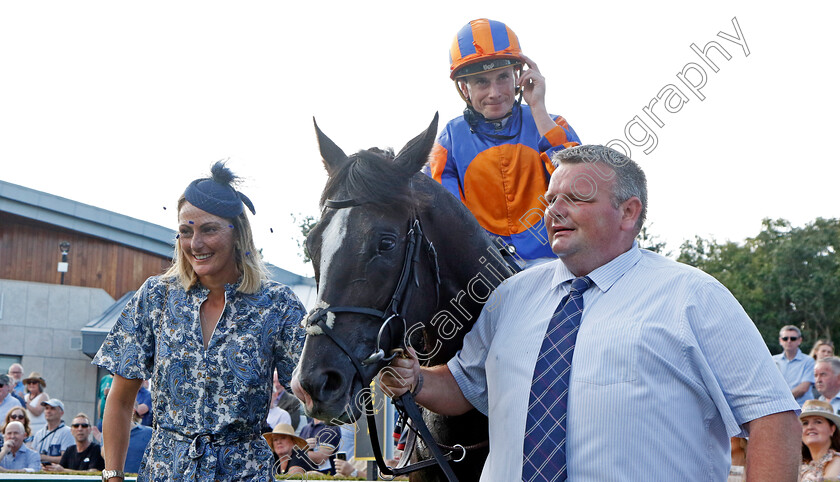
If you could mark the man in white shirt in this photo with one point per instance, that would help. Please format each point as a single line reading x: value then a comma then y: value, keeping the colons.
x: 52, y: 440
x: 666, y: 364
x: 796, y: 367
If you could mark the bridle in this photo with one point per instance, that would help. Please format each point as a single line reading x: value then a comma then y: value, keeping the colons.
x: 394, y: 312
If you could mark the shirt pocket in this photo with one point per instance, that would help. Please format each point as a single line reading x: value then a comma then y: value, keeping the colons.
x: 607, y: 351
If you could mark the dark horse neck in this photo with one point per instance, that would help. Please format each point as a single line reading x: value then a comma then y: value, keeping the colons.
x: 468, y: 277
x: 469, y: 271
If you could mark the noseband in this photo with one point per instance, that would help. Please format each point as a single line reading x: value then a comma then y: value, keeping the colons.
x: 395, y: 310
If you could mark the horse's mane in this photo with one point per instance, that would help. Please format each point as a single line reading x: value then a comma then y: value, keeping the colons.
x: 369, y: 176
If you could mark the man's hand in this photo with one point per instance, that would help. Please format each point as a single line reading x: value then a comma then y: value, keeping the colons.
x: 401, y: 375
x: 533, y: 85
x: 343, y: 467
x: 53, y: 468
x: 533, y: 91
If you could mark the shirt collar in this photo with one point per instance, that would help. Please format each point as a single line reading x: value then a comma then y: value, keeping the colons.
x: 604, y: 276
x: 230, y: 288
x: 799, y: 355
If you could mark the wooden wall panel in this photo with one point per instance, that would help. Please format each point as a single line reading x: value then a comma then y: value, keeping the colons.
x: 29, y: 251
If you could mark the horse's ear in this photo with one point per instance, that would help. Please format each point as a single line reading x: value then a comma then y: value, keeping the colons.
x: 333, y: 156
x: 415, y: 154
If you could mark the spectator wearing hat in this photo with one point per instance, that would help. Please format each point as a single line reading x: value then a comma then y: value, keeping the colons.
x: 15, y: 455
x: 34, y: 397
x: 53, y: 439
x: 7, y: 401
x: 820, y: 441
x: 288, y: 450
x: 495, y: 158
x: 209, y: 422
x: 84, y: 455
x: 16, y: 372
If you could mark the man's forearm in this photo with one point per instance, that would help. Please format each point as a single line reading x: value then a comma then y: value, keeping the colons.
x: 774, y: 450
x: 440, y: 392
x: 49, y: 459
x: 801, y: 389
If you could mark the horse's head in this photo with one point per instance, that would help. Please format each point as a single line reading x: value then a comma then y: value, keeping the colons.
x: 373, y: 267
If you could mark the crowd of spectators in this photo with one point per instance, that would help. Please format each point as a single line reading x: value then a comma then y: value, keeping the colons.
x: 35, y: 436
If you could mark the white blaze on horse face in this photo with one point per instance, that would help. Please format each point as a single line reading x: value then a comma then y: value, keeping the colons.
x: 331, y: 240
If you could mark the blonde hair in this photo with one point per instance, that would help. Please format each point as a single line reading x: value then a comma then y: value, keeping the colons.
x: 248, y: 260
x: 818, y: 344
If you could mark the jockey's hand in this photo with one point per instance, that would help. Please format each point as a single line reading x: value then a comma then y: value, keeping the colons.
x: 533, y: 84
x: 401, y: 375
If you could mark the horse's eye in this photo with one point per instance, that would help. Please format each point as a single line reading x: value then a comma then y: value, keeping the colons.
x: 387, y: 243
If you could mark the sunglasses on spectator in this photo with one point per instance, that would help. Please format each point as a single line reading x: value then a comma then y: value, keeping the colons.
x: 791, y: 338
x: 83, y: 425
x: 17, y: 416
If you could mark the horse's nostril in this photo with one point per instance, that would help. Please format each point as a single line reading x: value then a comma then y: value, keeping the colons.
x: 333, y: 382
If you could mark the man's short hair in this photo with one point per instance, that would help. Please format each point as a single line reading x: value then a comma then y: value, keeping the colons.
x: 832, y: 361
x: 790, y: 328
x: 82, y: 415
x: 629, y: 181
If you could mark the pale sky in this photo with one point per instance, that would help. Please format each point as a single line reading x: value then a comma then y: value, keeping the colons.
x: 121, y: 104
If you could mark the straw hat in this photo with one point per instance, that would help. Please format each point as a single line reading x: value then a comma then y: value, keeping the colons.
x: 819, y: 408
x: 35, y: 377
x: 284, y: 429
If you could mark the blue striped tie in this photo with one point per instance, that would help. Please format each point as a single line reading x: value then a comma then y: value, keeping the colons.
x: 545, y: 428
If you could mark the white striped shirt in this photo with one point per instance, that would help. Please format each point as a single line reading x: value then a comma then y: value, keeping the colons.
x: 667, y: 366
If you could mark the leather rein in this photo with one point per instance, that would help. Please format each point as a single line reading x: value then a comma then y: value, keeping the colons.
x: 388, y: 318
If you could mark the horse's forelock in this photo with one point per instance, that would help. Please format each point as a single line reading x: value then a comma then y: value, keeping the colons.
x: 369, y: 176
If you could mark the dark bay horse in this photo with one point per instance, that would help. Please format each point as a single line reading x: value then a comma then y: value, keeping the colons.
x: 389, y: 231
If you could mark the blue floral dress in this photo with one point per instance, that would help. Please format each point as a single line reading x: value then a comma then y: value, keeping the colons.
x: 209, y: 405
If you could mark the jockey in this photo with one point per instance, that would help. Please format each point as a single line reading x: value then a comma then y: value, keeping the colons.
x: 495, y: 158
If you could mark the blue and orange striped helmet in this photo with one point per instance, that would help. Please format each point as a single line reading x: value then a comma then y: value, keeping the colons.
x: 481, y: 46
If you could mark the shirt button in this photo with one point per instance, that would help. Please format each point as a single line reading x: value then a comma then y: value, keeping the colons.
x: 510, y: 197
x: 505, y: 162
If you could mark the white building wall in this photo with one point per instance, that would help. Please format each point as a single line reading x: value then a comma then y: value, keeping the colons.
x: 41, y: 323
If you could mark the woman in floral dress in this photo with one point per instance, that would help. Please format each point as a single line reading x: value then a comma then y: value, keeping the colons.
x: 209, y: 333
x: 820, y: 442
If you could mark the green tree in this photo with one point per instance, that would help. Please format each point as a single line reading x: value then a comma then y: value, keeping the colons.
x: 305, y: 224
x: 651, y: 242
x: 784, y: 275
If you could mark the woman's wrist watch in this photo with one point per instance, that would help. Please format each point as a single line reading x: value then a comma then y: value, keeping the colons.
x: 107, y: 474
